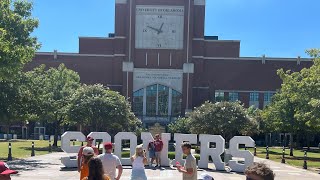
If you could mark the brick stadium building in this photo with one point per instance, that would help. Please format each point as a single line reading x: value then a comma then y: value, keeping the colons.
x: 161, y: 60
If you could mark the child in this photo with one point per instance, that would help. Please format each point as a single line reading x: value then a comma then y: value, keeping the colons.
x: 87, y: 154
x: 189, y: 171
x: 96, y: 170
x: 139, y: 160
x: 152, y: 153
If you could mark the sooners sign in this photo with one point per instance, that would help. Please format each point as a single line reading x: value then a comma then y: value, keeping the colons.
x: 204, y: 139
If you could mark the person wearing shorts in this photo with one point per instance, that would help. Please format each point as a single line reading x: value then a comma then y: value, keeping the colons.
x: 152, y: 153
x: 158, y: 148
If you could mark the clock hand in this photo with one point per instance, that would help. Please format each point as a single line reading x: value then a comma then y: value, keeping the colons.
x: 160, y: 30
x: 153, y: 29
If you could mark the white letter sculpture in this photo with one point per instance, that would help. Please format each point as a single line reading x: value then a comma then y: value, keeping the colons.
x: 65, y: 146
x: 118, y: 145
x: 65, y: 141
x: 215, y: 153
x: 235, y: 152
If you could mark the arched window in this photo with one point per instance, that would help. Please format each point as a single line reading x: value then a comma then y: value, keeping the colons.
x: 157, y: 100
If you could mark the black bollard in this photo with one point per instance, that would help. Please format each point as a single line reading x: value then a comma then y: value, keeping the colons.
x: 305, y: 165
x: 32, y: 149
x: 283, y: 160
x: 255, y: 151
x: 9, y: 154
x: 50, y: 147
x: 73, y: 142
x: 245, y: 148
x: 81, y: 143
x: 267, y: 155
x: 99, y: 146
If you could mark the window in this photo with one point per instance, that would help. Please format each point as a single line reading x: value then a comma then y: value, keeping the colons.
x: 268, y: 96
x: 176, y: 103
x: 219, y: 96
x: 254, y: 96
x: 163, y: 97
x: 233, y: 96
x: 137, y: 104
x: 156, y: 102
x: 151, y: 100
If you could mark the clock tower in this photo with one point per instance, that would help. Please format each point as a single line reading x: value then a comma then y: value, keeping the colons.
x: 158, y: 36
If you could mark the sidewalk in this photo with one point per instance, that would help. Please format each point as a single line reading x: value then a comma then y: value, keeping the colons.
x: 48, y: 167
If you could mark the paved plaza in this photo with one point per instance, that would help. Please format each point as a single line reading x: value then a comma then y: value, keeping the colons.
x: 48, y: 167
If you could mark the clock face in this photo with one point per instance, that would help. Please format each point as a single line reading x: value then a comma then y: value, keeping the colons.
x: 159, y: 27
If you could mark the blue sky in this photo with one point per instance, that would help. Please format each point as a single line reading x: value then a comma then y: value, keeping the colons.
x: 276, y: 28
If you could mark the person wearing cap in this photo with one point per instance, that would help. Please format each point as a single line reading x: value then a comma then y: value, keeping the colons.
x: 89, y: 144
x: 5, y: 171
x: 87, y: 154
x: 111, y: 162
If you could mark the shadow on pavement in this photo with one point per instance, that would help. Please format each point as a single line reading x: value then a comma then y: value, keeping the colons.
x: 28, y: 165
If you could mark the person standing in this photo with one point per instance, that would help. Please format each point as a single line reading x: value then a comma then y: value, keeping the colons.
x: 89, y: 140
x: 87, y: 154
x: 5, y: 171
x: 96, y: 170
x: 189, y: 171
x: 151, y: 149
x: 158, y: 148
x: 111, y: 162
x: 139, y: 160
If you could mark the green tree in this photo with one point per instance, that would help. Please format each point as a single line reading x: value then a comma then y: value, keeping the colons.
x: 101, y: 109
x: 225, y: 118
x: 295, y: 108
x: 47, y: 95
x: 17, y: 46
x: 10, y: 102
x: 181, y: 125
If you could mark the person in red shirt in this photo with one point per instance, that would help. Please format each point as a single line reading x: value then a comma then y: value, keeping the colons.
x: 158, y: 148
x: 89, y: 144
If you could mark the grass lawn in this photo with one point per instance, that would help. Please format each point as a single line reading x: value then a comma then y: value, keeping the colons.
x: 22, y: 148
x: 275, y: 154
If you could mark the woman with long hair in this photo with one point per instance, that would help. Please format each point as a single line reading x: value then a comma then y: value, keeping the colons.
x: 139, y: 160
x: 96, y: 170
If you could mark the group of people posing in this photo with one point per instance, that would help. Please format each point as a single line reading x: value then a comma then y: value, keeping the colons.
x: 93, y: 166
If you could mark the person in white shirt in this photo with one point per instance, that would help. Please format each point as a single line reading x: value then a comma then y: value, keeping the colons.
x: 139, y: 160
x: 111, y: 162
